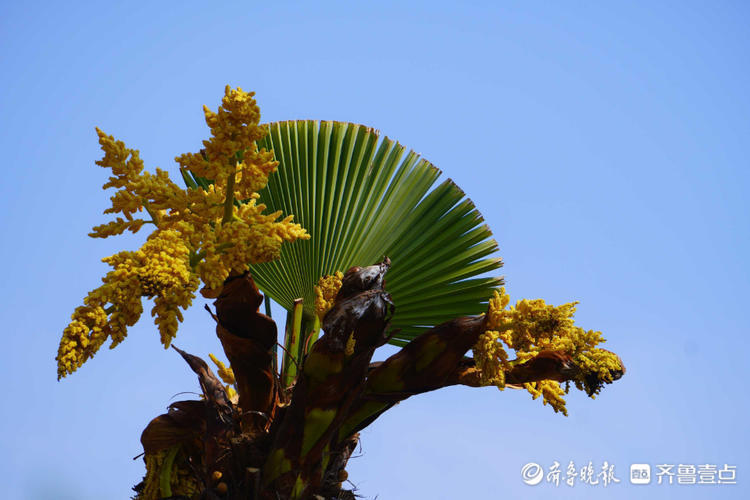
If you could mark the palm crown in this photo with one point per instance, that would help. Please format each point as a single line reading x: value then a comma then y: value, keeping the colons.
x: 266, y: 429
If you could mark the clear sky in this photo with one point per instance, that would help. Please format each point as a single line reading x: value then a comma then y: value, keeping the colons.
x: 605, y: 143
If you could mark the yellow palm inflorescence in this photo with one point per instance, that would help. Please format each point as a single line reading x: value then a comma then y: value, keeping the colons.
x: 325, y: 293
x: 200, y: 234
x: 530, y: 327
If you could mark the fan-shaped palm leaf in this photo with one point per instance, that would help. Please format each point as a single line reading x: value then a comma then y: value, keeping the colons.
x: 361, y: 197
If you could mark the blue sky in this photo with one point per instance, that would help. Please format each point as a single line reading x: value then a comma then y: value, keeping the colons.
x: 604, y: 143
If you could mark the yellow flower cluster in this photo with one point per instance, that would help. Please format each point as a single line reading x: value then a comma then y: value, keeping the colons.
x: 181, y: 480
x: 250, y: 238
x: 530, y: 327
x: 491, y: 359
x: 489, y: 355
x: 159, y: 269
x: 227, y: 375
x: 325, y: 293
x: 551, y: 392
x: 199, y: 233
x: 231, y: 156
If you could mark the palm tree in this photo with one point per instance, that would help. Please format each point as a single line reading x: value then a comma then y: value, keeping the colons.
x: 415, y: 254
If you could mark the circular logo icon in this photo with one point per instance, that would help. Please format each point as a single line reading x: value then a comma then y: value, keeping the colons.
x: 532, y: 474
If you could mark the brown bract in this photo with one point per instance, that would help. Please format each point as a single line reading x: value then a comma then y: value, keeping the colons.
x: 249, y: 341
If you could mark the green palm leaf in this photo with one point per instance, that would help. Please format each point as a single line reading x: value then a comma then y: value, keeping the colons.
x: 361, y: 197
